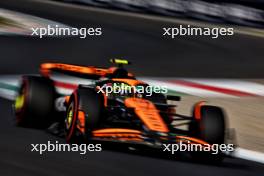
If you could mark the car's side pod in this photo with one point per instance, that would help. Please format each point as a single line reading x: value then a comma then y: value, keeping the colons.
x: 173, y: 98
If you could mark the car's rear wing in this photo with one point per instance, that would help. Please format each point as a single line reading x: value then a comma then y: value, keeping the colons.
x: 47, y: 68
x: 90, y: 72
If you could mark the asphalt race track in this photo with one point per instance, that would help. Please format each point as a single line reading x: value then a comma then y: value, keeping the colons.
x: 239, y: 56
x: 16, y: 158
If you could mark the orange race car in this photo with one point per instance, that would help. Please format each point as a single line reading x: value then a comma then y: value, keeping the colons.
x: 117, y: 107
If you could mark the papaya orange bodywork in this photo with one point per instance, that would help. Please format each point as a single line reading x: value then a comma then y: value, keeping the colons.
x: 67, y: 99
x: 148, y: 113
x: 116, y: 130
x: 119, y: 134
x: 191, y: 139
x: 197, y: 110
x: 81, y: 122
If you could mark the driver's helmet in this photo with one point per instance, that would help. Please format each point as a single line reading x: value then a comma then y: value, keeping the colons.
x: 120, y: 73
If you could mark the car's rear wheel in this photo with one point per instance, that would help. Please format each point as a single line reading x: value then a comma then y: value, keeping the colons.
x: 34, y: 104
x: 209, y: 125
x: 84, y: 111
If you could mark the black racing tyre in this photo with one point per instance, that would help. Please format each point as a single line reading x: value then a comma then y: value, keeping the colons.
x: 88, y: 101
x: 34, y: 104
x: 210, y: 128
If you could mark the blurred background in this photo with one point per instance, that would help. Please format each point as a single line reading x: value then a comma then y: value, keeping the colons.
x: 227, y: 71
x: 241, y: 12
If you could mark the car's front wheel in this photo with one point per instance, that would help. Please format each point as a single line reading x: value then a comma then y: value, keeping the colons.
x: 83, y: 114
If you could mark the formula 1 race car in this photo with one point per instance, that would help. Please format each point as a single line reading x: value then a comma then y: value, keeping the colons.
x: 110, y: 108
